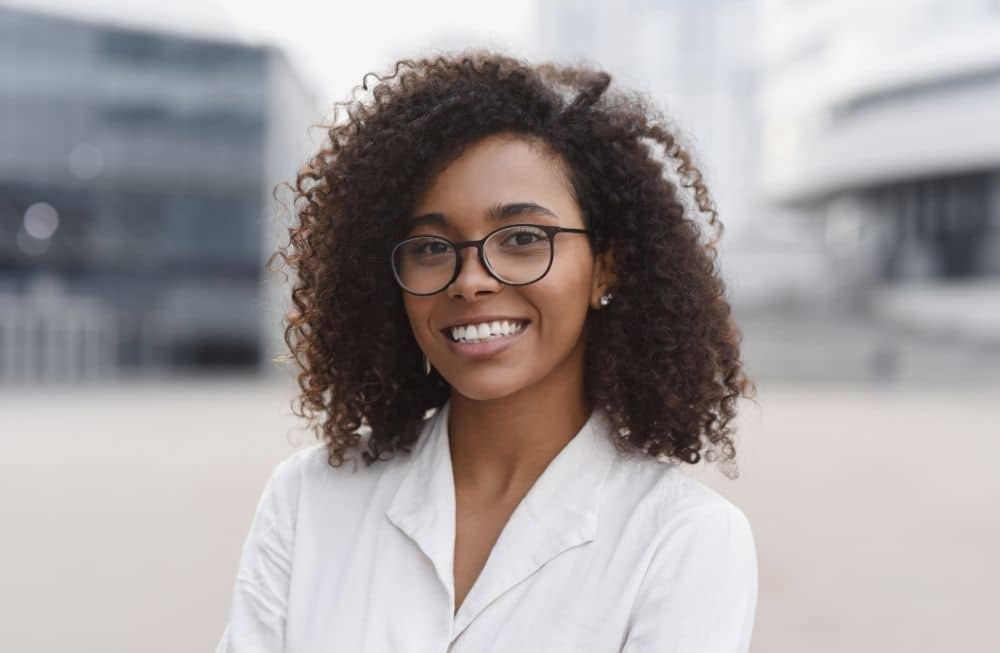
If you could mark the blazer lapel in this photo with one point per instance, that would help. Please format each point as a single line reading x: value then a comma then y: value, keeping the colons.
x: 559, y: 512
x: 424, y: 505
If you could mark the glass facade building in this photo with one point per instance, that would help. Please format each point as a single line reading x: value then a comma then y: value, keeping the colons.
x: 136, y: 171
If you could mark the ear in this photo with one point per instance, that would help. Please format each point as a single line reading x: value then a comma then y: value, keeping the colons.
x: 604, y: 278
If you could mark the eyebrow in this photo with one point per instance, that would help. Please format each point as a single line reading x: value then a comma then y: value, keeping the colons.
x: 495, y: 213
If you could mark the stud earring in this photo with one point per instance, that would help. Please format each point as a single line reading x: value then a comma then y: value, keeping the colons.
x: 427, y: 365
x: 606, y: 299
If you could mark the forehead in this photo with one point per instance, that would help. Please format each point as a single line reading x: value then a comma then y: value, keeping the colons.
x: 496, y: 170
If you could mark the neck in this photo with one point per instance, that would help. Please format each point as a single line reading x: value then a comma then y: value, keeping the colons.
x: 499, y: 447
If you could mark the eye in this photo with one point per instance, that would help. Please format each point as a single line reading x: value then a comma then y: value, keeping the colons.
x: 425, y: 247
x: 523, y: 237
x: 430, y: 247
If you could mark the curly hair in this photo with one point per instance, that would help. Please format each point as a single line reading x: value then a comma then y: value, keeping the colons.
x: 664, y: 362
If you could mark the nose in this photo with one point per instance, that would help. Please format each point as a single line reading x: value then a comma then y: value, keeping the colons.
x: 473, y: 277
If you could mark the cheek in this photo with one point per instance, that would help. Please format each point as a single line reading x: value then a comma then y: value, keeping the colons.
x: 563, y: 305
x: 416, y: 312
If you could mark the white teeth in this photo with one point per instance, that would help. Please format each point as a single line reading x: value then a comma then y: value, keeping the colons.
x: 485, y: 331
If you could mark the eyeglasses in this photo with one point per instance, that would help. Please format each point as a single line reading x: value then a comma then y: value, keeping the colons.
x: 515, y: 255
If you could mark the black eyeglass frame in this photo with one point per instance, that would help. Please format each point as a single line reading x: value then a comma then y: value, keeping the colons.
x: 550, y: 231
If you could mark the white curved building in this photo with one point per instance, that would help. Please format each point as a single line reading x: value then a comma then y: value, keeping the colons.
x: 881, y: 122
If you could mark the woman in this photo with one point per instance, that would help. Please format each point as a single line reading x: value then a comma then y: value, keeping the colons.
x: 498, y: 279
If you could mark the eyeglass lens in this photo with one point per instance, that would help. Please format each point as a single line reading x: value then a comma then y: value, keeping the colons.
x: 519, y: 254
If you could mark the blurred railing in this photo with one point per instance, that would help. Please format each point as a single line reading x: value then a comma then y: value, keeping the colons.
x: 47, y: 335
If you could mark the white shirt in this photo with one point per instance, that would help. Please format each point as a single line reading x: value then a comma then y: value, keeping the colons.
x: 606, y: 552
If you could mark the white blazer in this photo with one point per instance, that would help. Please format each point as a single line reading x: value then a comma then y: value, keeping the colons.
x: 606, y: 552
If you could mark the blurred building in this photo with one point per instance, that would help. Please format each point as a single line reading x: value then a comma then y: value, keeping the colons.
x: 136, y: 211
x: 694, y: 59
x: 882, y: 132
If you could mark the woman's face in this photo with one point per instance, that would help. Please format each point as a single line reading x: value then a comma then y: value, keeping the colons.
x: 499, y: 170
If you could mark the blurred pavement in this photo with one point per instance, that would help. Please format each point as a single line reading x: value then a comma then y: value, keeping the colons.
x: 875, y: 513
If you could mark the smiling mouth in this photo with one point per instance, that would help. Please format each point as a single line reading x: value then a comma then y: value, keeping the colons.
x: 471, y: 336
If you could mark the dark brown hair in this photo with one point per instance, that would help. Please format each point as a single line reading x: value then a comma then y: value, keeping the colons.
x: 663, y: 359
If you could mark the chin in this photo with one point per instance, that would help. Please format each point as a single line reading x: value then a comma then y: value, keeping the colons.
x: 485, y: 389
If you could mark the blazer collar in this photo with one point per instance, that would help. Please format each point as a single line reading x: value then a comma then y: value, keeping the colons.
x: 560, y: 511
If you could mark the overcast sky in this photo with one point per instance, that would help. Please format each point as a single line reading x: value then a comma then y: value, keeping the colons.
x: 332, y: 44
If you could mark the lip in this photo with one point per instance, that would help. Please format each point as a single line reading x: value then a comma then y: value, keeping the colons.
x: 480, y: 350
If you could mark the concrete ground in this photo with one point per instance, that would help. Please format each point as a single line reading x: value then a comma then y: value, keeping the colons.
x: 876, y: 513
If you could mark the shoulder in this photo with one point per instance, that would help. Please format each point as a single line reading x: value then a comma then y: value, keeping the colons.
x: 689, y: 529
x: 675, y: 506
x: 310, y: 466
x: 699, y: 578
x: 306, y: 475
